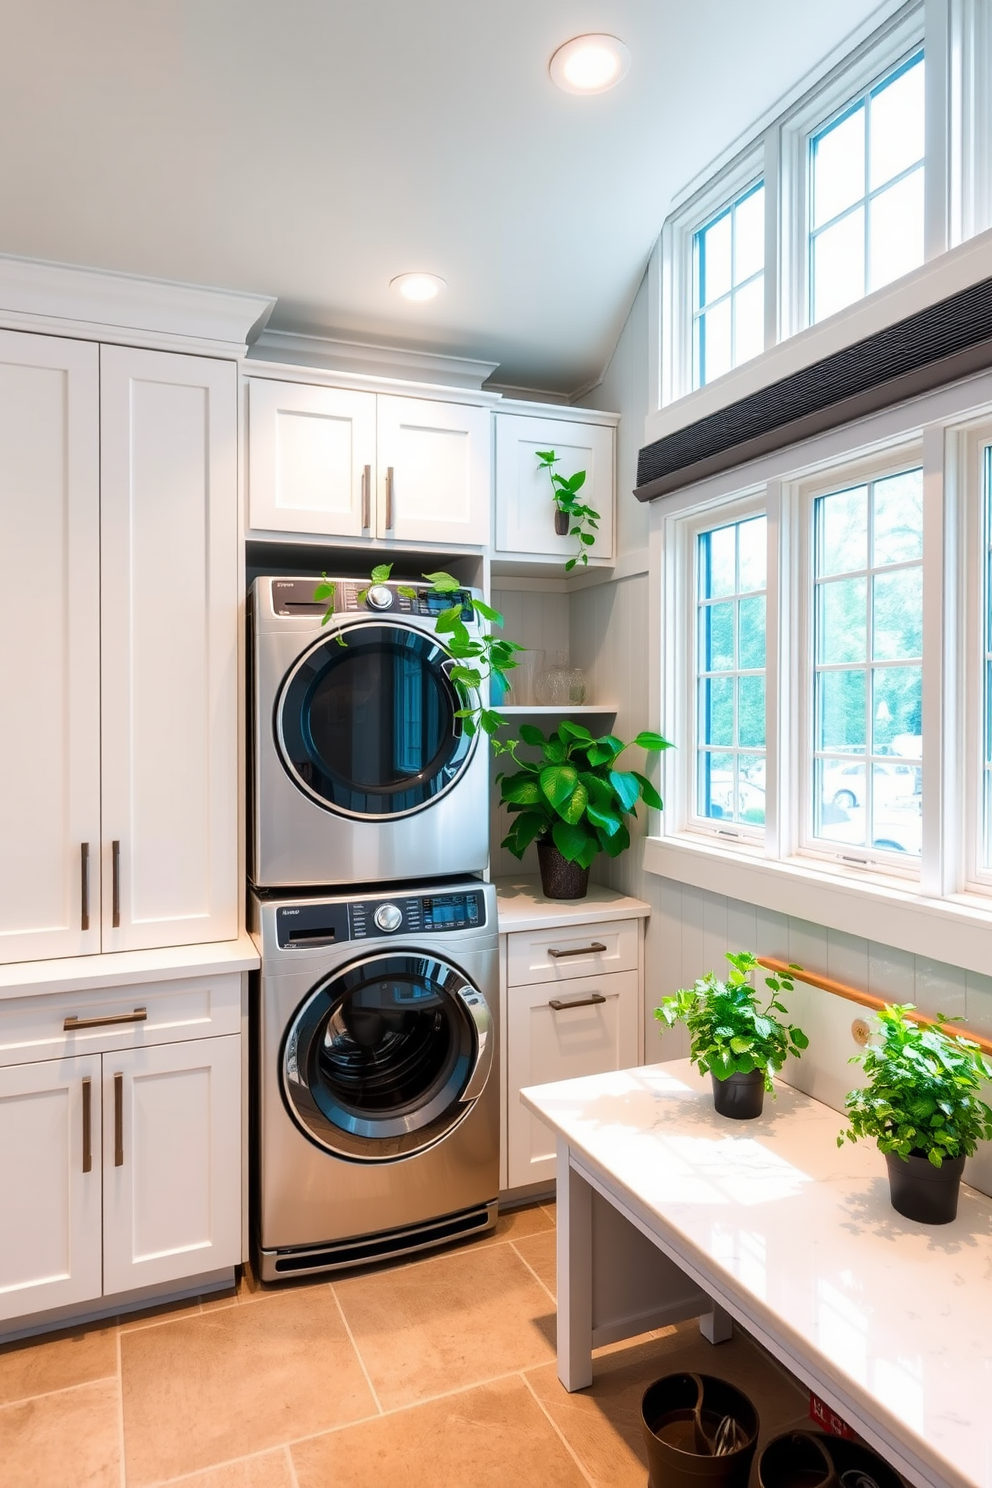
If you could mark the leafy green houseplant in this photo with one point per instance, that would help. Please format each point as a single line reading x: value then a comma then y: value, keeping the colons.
x: 738, y: 1042
x: 572, y: 516
x: 922, y: 1108
x: 573, y: 800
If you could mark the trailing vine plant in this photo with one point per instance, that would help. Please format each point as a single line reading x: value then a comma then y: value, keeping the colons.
x: 584, y: 519
x: 480, y: 659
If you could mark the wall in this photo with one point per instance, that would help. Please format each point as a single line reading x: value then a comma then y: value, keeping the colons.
x: 690, y: 930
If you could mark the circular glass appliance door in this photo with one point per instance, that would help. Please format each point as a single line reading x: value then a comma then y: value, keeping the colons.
x: 367, y: 727
x: 387, y: 1056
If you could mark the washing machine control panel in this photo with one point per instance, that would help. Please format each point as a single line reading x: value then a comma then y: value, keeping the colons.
x: 311, y: 926
x: 295, y: 597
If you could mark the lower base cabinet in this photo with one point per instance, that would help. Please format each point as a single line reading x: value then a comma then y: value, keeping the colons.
x: 118, y: 1170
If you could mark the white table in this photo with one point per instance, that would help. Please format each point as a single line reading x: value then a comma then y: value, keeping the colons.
x: 889, y: 1321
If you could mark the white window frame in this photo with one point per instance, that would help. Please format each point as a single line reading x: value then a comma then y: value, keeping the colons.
x: 945, y: 432
x: 805, y: 495
x: 957, y: 40
x: 685, y: 669
x: 887, y: 49
x: 678, y: 289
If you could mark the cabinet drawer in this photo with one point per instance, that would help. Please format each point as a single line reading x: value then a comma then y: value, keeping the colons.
x: 584, y: 1026
x: 33, y: 1028
x: 571, y: 951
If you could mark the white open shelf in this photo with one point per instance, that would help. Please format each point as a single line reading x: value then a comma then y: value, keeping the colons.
x: 555, y: 710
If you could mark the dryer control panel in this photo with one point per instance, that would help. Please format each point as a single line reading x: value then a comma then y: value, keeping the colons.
x: 295, y: 597
x: 309, y: 926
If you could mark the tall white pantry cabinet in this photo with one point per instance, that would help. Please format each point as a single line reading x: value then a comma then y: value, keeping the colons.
x: 121, y: 1076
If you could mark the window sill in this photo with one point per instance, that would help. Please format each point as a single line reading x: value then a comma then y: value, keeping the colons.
x: 957, y: 930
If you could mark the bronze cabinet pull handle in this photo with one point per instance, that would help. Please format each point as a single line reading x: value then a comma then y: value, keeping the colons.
x: 138, y: 1016
x: 115, y: 854
x: 588, y: 950
x: 366, y: 497
x: 559, y: 1003
x: 84, y: 886
x: 389, y: 498
x: 87, y: 1127
x: 118, y: 1121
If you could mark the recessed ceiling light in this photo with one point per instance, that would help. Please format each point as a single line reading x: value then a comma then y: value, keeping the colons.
x: 418, y: 286
x: 590, y: 64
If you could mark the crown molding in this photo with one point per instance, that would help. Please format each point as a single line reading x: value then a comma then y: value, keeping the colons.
x: 363, y: 359
x: 118, y: 307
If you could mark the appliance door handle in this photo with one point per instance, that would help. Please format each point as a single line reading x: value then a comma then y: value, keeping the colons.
x: 87, y: 1126
x: 478, y: 1010
x: 389, y: 498
x: 366, y: 498
x: 84, y: 889
x: 118, y: 1121
x: 71, y: 1025
x: 115, y: 859
x: 589, y: 950
x: 559, y: 1004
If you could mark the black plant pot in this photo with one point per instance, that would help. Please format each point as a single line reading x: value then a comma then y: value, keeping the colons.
x: 560, y: 879
x: 920, y: 1191
x: 670, y: 1411
x: 740, y: 1096
x: 562, y: 520
x: 808, y: 1459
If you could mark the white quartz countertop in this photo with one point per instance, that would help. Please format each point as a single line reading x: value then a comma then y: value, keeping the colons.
x: 522, y: 906
x: 123, y: 968
x: 800, y: 1235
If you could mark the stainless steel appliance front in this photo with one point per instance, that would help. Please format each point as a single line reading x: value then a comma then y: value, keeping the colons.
x: 375, y: 1090
x: 361, y: 770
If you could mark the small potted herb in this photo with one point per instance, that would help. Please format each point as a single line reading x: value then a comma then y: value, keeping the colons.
x: 738, y: 1042
x: 573, y: 801
x: 921, y: 1106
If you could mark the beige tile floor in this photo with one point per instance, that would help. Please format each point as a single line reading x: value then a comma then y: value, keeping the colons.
x: 438, y: 1372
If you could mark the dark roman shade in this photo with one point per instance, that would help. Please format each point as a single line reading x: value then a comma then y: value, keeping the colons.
x: 926, y: 350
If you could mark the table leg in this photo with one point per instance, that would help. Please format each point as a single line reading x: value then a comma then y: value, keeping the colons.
x: 716, y: 1326
x: 574, y: 1275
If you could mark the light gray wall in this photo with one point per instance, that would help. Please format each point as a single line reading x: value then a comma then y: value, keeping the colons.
x: 690, y: 930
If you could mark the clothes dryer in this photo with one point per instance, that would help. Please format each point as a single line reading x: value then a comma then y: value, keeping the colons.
x: 362, y: 772
x: 375, y: 1076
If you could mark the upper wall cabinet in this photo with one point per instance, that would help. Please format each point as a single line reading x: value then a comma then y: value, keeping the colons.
x: 119, y: 604
x: 364, y: 466
x: 525, y: 511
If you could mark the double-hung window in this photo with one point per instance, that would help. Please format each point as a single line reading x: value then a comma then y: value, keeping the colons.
x: 729, y: 678
x: 866, y: 683
x: 865, y: 191
x: 728, y: 264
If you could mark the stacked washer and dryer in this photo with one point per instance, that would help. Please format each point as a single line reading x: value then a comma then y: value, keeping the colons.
x: 375, y: 1092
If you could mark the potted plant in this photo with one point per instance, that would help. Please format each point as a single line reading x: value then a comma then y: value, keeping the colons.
x: 921, y: 1106
x: 738, y: 1042
x: 572, y: 516
x: 573, y: 801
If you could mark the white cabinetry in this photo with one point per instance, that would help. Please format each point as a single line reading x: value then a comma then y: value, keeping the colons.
x: 120, y: 1161
x: 119, y: 581
x: 572, y: 989
x: 525, y: 511
x: 356, y: 465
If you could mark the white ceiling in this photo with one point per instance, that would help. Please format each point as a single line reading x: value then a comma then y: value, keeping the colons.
x: 312, y: 149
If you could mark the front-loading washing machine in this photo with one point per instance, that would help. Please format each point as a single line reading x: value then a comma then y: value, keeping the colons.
x: 375, y: 1109
x: 362, y: 770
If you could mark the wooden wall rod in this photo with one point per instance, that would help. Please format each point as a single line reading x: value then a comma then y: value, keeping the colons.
x: 864, y: 999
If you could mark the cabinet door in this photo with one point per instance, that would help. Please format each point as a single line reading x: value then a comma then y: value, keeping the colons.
x: 171, y: 1162
x: 50, y: 651
x: 311, y: 459
x: 433, y: 472
x: 170, y: 649
x: 525, y: 512
x: 594, y: 1029
x: 50, y: 1220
